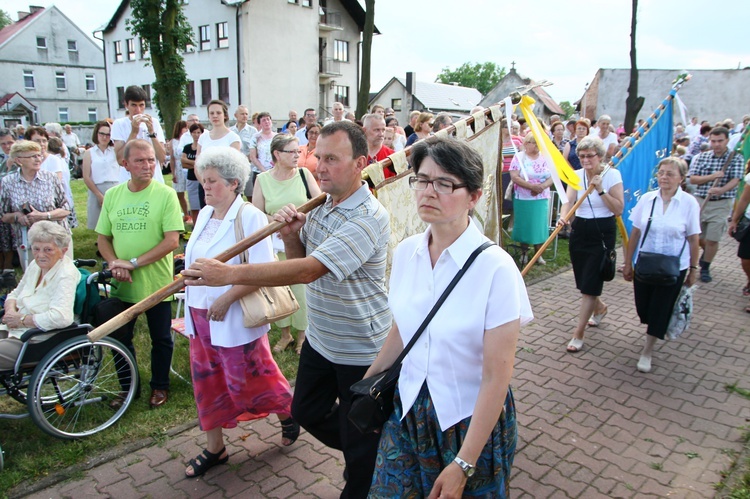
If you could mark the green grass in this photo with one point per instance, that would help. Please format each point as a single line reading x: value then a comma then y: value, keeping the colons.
x: 738, y: 475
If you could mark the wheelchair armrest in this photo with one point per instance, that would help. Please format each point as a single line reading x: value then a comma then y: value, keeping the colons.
x: 35, y: 331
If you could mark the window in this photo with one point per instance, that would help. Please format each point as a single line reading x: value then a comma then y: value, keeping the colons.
x: 222, y: 35
x: 204, y: 41
x: 90, y: 83
x: 28, y: 79
x: 60, y: 80
x: 118, y: 51
x: 72, y: 46
x: 396, y: 104
x: 341, y: 94
x: 144, y: 49
x: 341, y: 50
x: 223, y: 89
x: 62, y: 115
x: 147, y: 88
x: 41, y: 42
x: 293, y: 1
x: 93, y: 115
x: 306, y: 3
x: 131, y: 48
x: 190, y: 92
x: 205, y: 92
x: 120, y: 97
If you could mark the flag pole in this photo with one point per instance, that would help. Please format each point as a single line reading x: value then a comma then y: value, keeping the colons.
x: 158, y: 296
x: 621, y: 153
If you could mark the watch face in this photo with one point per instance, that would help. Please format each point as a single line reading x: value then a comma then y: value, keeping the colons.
x: 470, y: 472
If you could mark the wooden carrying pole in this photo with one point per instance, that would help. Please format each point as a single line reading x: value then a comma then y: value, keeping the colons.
x: 729, y: 159
x: 638, y: 133
x: 157, y: 297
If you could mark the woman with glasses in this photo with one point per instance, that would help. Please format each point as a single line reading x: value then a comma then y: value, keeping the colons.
x: 593, y: 232
x: 286, y: 183
x: 453, y: 431
x: 31, y: 194
x: 307, y: 152
x: 100, y: 171
x: 673, y: 230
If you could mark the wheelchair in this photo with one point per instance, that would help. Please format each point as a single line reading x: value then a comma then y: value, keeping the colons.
x: 66, y: 381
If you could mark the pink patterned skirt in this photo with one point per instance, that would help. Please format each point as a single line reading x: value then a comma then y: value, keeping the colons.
x: 235, y: 384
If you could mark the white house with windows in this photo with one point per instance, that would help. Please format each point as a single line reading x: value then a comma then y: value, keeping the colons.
x: 270, y: 55
x: 51, y: 71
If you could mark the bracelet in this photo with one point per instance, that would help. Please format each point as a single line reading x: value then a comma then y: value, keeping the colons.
x: 49, y: 217
x: 693, y: 267
x: 23, y: 319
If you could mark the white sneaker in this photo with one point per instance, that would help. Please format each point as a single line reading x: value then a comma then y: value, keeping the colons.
x: 541, y: 261
x: 644, y: 364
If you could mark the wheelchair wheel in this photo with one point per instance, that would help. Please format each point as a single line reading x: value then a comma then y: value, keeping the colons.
x: 71, y: 388
x: 1, y: 459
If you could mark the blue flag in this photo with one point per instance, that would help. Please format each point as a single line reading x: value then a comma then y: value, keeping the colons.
x: 639, y: 164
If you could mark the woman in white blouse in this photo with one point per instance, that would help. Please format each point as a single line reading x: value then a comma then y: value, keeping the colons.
x: 453, y: 400
x: 220, y: 135
x: 674, y: 231
x: 100, y: 171
x: 593, y: 229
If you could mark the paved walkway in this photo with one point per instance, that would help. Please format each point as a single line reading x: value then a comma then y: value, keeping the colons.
x: 590, y: 424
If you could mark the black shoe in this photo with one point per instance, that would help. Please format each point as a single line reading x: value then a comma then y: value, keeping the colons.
x: 706, y: 275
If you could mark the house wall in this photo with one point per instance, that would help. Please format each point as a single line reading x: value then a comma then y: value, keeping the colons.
x: 349, y: 69
x: 712, y: 95
x: 21, y: 53
x: 396, y: 91
x: 210, y: 64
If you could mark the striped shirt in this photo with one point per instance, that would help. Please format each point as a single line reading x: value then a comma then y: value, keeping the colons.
x: 707, y: 163
x: 348, y: 307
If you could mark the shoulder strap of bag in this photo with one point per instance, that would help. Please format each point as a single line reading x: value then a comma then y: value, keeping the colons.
x: 239, y: 232
x: 304, y: 182
x: 648, y: 225
x: 396, y: 367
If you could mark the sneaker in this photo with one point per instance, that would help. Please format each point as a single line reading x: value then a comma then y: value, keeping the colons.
x: 706, y: 275
x: 541, y: 261
x: 644, y: 364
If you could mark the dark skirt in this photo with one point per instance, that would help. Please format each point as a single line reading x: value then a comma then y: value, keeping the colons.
x: 654, y: 304
x: 743, y: 250
x: 413, y: 451
x: 507, y: 203
x: 586, y: 251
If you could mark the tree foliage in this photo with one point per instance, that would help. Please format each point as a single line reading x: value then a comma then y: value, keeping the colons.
x: 5, y: 19
x: 363, y: 94
x: 473, y: 75
x: 568, y: 108
x: 166, y: 34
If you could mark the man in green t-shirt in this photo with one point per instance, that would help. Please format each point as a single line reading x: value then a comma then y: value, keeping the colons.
x: 139, y: 227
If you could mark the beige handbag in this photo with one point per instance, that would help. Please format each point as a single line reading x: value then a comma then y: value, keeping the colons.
x: 268, y: 304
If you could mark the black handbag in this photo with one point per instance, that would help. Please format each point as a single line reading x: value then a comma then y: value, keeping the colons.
x: 608, y: 265
x: 742, y: 228
x: 372, y: 397
x: 654, y: 268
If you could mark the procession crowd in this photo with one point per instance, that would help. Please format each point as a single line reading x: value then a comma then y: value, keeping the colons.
x: 449, y: 434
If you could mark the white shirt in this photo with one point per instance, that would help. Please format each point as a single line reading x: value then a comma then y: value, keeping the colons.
x: 230, y: 332
x: 104, y: 167
x: 693, y: 130
x: 449, y: 353
x: 600, y: 210
x: 206, y: 142
x: 733, y: 141
x: 71, y: 140
x: 121, y: 131
x: 246, y: 135
x: 301, y: 136
x: 669, y: 229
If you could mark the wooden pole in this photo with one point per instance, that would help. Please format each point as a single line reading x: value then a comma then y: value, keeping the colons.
x: 158, y: 296
x: 729, y: 159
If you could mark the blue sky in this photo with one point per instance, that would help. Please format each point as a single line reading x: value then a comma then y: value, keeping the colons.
x: 564, y: 42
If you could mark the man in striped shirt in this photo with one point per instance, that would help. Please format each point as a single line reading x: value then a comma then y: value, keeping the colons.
x: 339, y: 251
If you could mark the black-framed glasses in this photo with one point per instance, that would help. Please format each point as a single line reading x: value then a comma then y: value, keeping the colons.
x: 294, y: 151
x: 440, y: 185
x: 35, y: 156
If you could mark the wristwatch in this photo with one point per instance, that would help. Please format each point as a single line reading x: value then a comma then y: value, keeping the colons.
x: 134, y: 261
x: 603, y: 193
x: 468, y: 469
x: 152, y: 135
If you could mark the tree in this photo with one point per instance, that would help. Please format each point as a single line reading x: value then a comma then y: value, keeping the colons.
x: 363, y: 95
x: 568, y: 108
x: 166, y: 33
x: 5, y: 19
x: 473, y: 75
x: 633, y: 103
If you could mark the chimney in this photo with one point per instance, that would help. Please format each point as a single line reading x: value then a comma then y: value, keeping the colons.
x: 411, y: 86
x: 22, y: 15
x: 35, y: 8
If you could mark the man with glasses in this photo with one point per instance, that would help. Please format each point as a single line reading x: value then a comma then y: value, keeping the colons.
x: 339, y: 251
x: 706, y: 169
x: 139, y: 227
x: 310, y: 118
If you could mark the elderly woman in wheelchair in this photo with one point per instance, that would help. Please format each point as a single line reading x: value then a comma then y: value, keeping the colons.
x: 44, y: 297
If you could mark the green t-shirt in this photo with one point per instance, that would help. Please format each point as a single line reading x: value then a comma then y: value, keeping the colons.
x: 137, y: 221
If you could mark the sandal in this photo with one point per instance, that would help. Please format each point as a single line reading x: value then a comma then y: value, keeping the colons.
x: 289, y: 431
x: 575, y: 345
x: 597, y: 319
x: 283, y: 343
x: 746, y: 290
x: 300, y: 341
x: 205, y: 461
